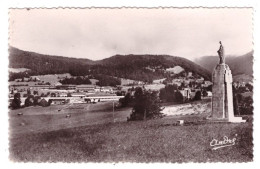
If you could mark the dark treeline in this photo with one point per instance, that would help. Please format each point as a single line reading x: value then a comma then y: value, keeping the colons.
x: 76, y: 80
x: 103, y: 80
x: 20, y: 75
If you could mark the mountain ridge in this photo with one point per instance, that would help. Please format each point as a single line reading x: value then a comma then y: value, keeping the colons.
x: 136, y: 67
x: 209, y: 62
x: 239, y: 65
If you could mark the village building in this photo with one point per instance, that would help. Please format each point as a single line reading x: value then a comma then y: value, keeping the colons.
x: 58, y: 101
x: 63, y: 94
x: 177, y: 82
x: 200, y: 80
x: 158, y: 81
x: 209, y: 94
x: 79, y: 94
x: 66, y: 87
x: 85, y: 88
x: 206, y: 83
x: 186, y: 93
x: 106, y: 89
x: 38, y: 87
x: 189, y: 74
x: 93, y: 81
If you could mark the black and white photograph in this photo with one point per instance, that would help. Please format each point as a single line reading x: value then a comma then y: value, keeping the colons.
x: 137, y: 85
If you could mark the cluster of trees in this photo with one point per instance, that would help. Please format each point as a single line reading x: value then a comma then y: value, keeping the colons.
x: 31, y: 100
x: 126, y: 100
x: 127, y: 71
x: 247, y: 88
x: 146, y: 105
x: 197, y: 95
x: 75, y: 80
x: 16, y: 103
x: 243, y: 105
x: 20, y: 75
x: 246, y: 105
x: 171, y: 94
x: 104, y: 80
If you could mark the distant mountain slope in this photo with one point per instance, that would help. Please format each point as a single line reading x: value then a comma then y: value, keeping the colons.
x: 239, y: 65
x: 45, y: 64
x: 136, y: 67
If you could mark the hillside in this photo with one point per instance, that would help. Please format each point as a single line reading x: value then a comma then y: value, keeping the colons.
x: 140, y: 67
x: 241, y: 66
x: 46, y: 64
x: 102, y: 135
x: 136, y: 67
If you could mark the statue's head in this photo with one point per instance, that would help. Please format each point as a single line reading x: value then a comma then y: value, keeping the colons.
x: 220, y: 42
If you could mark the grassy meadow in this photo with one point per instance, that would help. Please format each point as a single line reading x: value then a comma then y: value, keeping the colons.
x: 94, y: 139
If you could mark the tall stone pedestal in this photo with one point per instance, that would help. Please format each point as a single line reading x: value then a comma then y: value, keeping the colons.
x: 222, y: 96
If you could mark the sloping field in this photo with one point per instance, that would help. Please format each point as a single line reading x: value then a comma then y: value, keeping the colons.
x: 90, y: 134
x: 45, y: 119
x: 142, y: 141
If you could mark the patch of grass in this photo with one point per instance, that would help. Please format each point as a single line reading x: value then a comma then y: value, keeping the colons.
x: 45, y: 119
x: 138, y: 141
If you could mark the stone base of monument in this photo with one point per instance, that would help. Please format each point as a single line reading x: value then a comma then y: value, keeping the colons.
x: 217, y: 119
x: 222, y: 96
x: 222, y: 93
x: 236, y: 120
x: 230, y: 120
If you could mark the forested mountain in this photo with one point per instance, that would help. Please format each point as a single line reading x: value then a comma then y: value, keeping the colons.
x: 136, y: 67
x: 46, y: 64
x: 140, y: 67
x: 238, y: 64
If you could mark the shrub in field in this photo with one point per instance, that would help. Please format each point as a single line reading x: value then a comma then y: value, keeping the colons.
x: 16, y: 103
x: 204, y: 93
x: 167, y: 93
x: 36, y: 100
x: 146, y: 105
x: 53, y: 94
x: 29, y: 101
x: 126, y: 100
x: 178, y: 97
x: 43, y: 103
x: 49, y: 102
x: 171, y: 94
x: 245, y: 106
x: 197, y: 96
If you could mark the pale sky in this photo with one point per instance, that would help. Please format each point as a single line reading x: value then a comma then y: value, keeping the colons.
x: 100, y: 33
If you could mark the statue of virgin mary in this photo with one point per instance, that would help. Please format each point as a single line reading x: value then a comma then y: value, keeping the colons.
x: 221, y: 54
